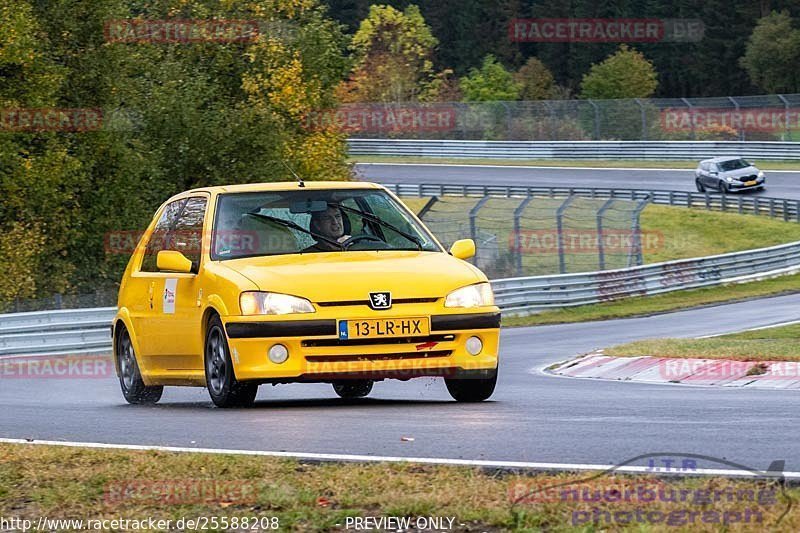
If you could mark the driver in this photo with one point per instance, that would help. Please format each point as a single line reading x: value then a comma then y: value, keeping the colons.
x: 329, y: 223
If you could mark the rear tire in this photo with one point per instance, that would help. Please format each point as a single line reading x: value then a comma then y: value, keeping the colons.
x: 471, y: 389
x: 354, y: 388
x: 130, y: 378
x: 699, y: 186
x: 223, y: 387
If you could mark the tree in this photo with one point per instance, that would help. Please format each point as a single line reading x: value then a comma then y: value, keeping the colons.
x: 492, y: 82
x: 393, y: 53
x: 773, y: 54
x: 625, y: 74
x: 536, y: 81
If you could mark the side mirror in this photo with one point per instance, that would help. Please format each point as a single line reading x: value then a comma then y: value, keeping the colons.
x: 172, y: 261
x: 463, y: 249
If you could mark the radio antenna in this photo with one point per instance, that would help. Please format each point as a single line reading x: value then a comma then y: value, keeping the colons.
x: 300, y: 181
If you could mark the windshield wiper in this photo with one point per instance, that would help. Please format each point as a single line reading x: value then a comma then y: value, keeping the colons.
x: 373, y: 218
x: 290, y: 224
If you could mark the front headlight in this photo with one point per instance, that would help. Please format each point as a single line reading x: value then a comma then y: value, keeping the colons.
x: 471, y: 296
x: 729, y: 180
x: 760, y: 173
x: 273, y: 303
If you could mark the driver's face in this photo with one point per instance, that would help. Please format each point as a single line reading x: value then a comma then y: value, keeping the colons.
x: 330, y: 223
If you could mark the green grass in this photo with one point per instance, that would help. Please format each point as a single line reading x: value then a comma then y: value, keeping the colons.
x: 599, y: 163
x: 662, y: 303
x: 772, y: 344
x: 69, y: 483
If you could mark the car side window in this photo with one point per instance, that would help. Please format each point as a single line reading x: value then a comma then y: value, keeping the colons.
x: 159, y: 238
x: 187, y: 235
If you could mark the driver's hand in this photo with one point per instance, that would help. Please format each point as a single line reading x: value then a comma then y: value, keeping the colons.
x: 343, y: 238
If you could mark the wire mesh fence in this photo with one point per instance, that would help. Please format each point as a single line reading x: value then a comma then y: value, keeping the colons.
x: 745, y: 118
x: 539, y: 235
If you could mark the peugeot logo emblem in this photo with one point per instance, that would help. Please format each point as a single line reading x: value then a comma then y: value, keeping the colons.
x: 380, y: 300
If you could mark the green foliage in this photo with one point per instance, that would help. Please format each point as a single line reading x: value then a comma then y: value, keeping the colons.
x: 393, y: 53
x: 492, y: 82
x: 773, y: 54
x: 625, y: 74
x: 536, y: 81
x: 176, y: 116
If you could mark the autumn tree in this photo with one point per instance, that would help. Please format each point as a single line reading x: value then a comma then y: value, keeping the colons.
x: 490, y: 82
x: 624, y: 74
x: 773, y: 54
x: 535, y: 80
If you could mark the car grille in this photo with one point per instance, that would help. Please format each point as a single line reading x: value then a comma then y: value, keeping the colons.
x: 747, y: 178
x: 349, y: 358
x: 398, y: 301
x: 317, y: 343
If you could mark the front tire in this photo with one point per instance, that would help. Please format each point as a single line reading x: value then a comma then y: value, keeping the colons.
x: 723, y: 188
x: 130, y: 378
x: 223, y: 387
x: 699, y: 186
x: 471, y: 389
x: 354, y: 388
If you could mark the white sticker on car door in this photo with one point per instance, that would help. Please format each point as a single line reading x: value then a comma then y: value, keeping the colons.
x: 170, y: 288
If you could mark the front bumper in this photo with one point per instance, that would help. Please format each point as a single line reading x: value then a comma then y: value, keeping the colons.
x: 741, y: 185
x: 316, y: 354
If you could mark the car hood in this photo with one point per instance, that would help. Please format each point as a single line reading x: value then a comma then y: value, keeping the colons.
x: 336, y: 276
x: 747, y: 171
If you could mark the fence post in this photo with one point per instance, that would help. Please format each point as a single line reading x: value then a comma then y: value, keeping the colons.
x: 596, y: 119
x: 601, y: 256
x: 57, y: 301
x: 786, y: 115
x: 508, y: 120
x: 473, y: 230
x: 785, y: 211
x: 691, y: 116
x: 736, y: 105
x: 517, y: 228
x: 427, y: 207
x: 644, y: 119
x: 636, y: 228
x: 562, y: 267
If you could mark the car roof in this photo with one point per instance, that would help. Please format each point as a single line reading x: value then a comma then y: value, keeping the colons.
x: 283, y: 186
x: 720, y: 159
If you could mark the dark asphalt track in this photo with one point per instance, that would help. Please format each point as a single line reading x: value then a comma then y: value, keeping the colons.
x: 532, y: 417
x: 779, y: 184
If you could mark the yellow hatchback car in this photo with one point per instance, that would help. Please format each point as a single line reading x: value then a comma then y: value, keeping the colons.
x: 335, y: 282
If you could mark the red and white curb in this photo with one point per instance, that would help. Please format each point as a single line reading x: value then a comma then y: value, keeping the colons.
x: 708, y: 372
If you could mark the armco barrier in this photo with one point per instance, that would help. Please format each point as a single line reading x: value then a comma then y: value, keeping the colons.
x: 87, y: 330
x: 694, y: 150
x: 788, y: 210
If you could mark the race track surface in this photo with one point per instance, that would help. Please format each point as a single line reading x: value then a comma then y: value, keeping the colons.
x: 780, y: 184
x: 532, y: 416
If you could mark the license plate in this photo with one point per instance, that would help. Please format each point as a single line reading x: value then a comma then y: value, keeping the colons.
x: 383, y: 327
x: 750, y: 183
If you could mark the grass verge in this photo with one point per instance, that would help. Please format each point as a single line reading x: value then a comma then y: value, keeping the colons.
x: 84, y: 484
x: 598, y: 163
x: 772, y: 344
x: 662, y: 303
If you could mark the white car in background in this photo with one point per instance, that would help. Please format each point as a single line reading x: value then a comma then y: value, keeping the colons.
x: 728, y: 174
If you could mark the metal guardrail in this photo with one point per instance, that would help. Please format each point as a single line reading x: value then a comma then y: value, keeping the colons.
x: 575, y: 149
x: 519, y: 296
x: 788, y: 210
x: 68, y: 331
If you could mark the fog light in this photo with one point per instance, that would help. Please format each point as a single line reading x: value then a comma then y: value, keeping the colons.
x: 278, y: 354
x: 474, y: 345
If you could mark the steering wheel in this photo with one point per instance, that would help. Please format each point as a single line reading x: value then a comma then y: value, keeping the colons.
x: 358, y: 238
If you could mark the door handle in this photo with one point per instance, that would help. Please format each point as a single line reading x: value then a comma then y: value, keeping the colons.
x: 150, y: 293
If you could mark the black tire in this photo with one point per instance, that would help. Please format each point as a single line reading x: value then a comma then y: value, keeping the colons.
x: 699, y: 186
x: 723, y: 187
x: 130, y: 378
x: 223, y: 387
x: 353, y: 388
x: 471, y: 389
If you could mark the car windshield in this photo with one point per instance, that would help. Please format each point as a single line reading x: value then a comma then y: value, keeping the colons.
x: 733, y: 164
x: 295, y: 222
